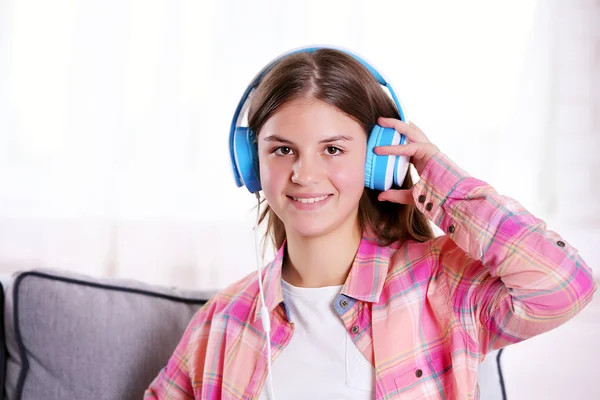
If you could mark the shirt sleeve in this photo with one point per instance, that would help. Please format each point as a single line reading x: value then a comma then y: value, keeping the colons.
x: 174, y: 381
x: 509, y: 278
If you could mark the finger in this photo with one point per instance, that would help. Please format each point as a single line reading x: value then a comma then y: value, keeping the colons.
x: 411, y: 131
x: 397, y: 196
x: 399, y: 150
x: 416, y: 127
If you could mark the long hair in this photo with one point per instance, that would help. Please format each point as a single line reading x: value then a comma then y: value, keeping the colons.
x: 337, y: 79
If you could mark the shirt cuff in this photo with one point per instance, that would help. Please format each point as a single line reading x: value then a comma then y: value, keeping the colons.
x: 437, y: 181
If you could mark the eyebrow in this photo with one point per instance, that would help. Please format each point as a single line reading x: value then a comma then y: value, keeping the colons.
x: 336, y: 138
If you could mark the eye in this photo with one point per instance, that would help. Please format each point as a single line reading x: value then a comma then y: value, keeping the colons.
x: 333, y: 151
x: 283, y: 151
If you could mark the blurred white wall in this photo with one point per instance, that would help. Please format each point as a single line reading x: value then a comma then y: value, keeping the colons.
x: 115, y: 116
x: 114, y: 122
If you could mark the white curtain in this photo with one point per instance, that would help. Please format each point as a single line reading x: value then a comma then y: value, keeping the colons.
x: 114, y: 117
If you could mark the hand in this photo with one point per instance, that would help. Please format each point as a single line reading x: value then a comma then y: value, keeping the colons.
x: 419, y: 149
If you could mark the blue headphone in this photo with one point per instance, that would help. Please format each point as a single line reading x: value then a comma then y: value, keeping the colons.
x: 380, y: 171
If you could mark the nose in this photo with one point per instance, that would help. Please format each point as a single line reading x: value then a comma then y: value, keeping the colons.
x: 307, y: 171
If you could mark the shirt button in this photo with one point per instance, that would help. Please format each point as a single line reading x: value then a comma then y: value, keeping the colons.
x: 355, y: 329
x: 560, y: 243
x: 429, y: 206
x: 343, y: 303
x: 451, y: 229
x: 418, y: 373
x: 422, y: 198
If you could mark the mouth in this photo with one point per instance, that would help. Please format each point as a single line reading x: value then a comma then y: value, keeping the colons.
x: 309, y: 200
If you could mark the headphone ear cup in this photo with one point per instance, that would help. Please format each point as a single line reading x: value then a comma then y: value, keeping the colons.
x: 379, y: 170
x: 246, y: 159
x: 370, y: 159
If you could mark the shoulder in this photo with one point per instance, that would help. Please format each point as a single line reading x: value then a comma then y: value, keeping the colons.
x: 237, y: 299
x: 438, y: 259
x: 225, y: 312
x: 411, y: 256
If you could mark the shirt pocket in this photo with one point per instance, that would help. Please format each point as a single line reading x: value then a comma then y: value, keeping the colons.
x: 426, y: 380
x: 360, y: 374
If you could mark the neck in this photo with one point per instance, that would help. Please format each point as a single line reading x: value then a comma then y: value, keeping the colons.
x: 321, y: 261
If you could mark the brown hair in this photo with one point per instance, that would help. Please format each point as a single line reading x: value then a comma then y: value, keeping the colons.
x: 337, y: 79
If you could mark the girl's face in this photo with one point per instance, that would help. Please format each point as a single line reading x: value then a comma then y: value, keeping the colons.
x: 312, y: 162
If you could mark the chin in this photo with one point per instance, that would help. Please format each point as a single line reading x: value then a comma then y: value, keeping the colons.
x: 309, y: 229
x: 312, y: 228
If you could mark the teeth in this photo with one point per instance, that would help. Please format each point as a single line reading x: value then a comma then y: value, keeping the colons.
x: 309, y: 200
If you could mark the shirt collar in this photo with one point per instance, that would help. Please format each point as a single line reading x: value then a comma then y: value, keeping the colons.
x: 369, y: 270
x: 365, y: 280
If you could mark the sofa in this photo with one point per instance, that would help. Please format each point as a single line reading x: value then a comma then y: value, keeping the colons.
x: 71, y: 336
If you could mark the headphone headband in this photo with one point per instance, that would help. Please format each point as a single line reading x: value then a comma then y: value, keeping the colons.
x: 243, y: 104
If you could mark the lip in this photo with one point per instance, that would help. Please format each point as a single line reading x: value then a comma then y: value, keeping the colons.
x: 309, y: 206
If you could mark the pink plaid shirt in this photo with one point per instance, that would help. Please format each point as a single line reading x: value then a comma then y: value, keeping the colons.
x: 424, y: 314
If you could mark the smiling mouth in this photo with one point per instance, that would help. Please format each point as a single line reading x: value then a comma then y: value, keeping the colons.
x: 309, y: 200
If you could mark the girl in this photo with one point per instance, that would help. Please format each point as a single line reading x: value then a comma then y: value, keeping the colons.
x: 361, y: 301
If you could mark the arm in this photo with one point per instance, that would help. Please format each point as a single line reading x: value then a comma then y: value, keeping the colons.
x: 509, y: 277
x: 174, y: 382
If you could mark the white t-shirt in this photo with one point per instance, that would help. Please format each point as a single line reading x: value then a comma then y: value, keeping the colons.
x: 320, y: 361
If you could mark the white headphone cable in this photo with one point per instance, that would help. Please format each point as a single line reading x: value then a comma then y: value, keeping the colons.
x: 264, y: 313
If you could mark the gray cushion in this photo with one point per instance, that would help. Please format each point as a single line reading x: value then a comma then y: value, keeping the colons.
x: 70, y: 336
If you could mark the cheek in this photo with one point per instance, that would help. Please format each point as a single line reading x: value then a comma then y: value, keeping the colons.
x: 271, y: 177
x: 350, y: 179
